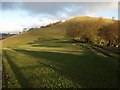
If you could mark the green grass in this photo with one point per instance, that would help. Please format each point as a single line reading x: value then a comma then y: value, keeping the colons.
x: 56, y: 68
x: 28, y: 37
x: 48, y: 58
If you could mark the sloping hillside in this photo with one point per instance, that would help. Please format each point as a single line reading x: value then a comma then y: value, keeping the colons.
x: 54, y: 31
x: 48, y: 58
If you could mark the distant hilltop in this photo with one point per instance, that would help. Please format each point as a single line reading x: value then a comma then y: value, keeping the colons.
x: 5, y: 35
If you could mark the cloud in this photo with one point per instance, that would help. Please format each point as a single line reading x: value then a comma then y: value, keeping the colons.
x: 53, y: 7
x: 114, y: 5
x: 88, y: 13
x: 15, y: 22
x: 60, y: 9
x: 17, y: 15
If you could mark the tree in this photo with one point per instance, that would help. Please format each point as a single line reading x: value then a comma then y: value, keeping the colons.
x: 24, y: 29
x: 110, y: 34
x: 94, y: 31
x: 73, y: 32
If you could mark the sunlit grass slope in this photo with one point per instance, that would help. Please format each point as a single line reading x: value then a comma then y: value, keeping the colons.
x: 32, y: 35
x: 55, y: 31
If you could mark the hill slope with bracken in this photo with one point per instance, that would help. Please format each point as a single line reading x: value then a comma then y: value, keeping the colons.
x: 52, y: 31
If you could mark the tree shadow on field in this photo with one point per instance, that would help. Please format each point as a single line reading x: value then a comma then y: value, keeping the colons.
x: 18, y: 74
x: 89, y: 70
x: 51, y: 42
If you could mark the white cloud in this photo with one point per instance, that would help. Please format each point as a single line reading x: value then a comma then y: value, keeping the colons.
x: 15, y: 21
x: 89, y: 13
x: 114, y: 5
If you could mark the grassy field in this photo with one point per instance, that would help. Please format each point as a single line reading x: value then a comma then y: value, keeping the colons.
x: 47, y: 58
x: 58, y: 63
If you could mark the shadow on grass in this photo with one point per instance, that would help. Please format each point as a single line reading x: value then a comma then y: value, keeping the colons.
x: 4, y: 76
x: 20, y: 77
x: 51, y: 42
x: 104, y: 51
x: 45, y: 45
x: 89, y: 70
x: 110, y: 49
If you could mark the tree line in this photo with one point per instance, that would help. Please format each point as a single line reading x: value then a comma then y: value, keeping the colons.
x: 96, y: 32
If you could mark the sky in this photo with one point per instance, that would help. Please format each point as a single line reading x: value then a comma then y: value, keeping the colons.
x: 18, y: 15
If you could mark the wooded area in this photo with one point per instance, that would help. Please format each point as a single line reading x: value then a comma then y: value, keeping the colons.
x: 96, y: 32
